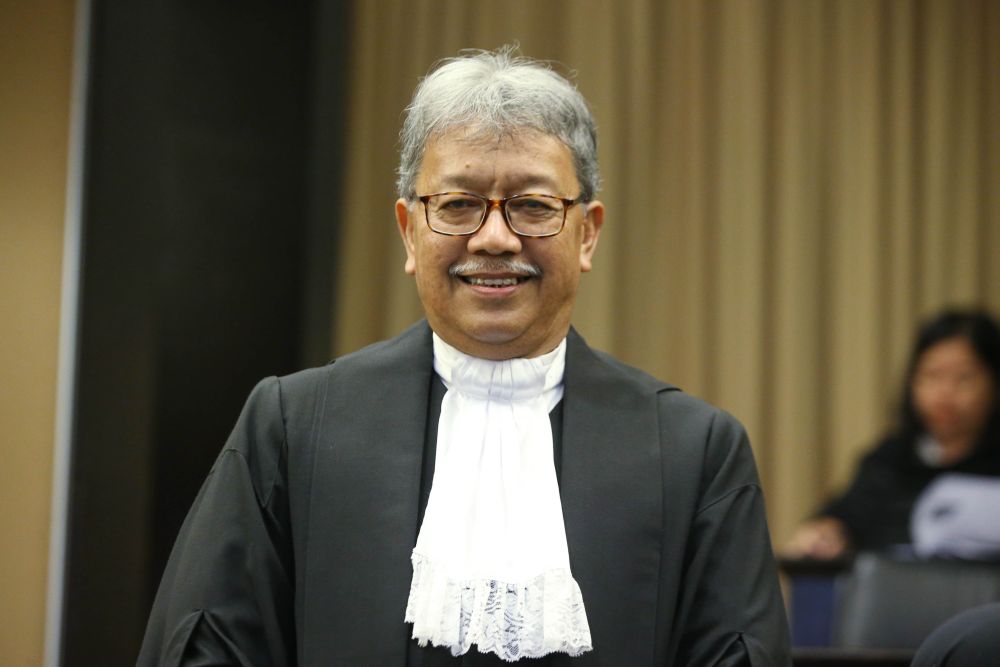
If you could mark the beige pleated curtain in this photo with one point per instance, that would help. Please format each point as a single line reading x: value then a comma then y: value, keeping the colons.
x: 791, y: 187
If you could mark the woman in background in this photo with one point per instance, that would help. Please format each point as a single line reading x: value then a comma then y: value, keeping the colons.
x: 950, y: 423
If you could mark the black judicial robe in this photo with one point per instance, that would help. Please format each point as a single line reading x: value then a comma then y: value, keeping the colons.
x: 297, y: 548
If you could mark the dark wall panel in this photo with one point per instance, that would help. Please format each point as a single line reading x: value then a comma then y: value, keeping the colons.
x: 205, y: 256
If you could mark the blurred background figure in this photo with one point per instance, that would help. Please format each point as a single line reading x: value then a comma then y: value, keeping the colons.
x: 949, y: 423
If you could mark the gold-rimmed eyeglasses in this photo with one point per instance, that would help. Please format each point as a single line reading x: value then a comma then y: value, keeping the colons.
x: 463, y: 213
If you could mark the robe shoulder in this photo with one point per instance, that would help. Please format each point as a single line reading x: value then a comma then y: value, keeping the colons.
x: 226, y: 596
x: 699, y: 436
x: 730, y: 610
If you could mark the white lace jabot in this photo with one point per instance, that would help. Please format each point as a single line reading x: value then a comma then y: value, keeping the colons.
x: 491, y: 566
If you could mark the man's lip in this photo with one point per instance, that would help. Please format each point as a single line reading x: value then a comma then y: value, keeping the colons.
x: 478, y: 280
x: 494, y: 276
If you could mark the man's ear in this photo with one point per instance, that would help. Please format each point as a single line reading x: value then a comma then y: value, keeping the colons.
x: 405, y: 220
x: 593, y: 219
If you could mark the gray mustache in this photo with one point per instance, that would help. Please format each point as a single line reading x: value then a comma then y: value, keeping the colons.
x: 498, y: 265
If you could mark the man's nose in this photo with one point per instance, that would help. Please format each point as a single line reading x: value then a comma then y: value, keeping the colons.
x: 495, y: 237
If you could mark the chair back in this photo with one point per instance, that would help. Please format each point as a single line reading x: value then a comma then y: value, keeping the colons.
x: 895, y: 604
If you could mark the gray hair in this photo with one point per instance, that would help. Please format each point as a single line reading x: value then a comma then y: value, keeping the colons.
x: 494, y: 93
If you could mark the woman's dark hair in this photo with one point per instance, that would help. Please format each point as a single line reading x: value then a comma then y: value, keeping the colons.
x: 975, y: 326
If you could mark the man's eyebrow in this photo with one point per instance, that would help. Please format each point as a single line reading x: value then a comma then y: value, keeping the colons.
x: 520, y: 182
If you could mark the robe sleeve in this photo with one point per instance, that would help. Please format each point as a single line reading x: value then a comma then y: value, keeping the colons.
x: 227, y: 594
x: 735, y: 615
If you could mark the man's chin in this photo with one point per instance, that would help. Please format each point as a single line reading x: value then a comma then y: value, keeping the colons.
x: 496, y: 342
x: 500, y: 343
x: 496, y: 336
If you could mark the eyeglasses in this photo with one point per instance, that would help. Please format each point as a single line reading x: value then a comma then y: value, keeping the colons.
x: 463, y: 213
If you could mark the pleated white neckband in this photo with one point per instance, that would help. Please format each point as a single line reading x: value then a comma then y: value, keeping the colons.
x: 491, y: 565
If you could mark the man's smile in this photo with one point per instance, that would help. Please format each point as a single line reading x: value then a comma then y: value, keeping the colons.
x: 494, y: 286
x: 497, y: 277
x: 494, y: 281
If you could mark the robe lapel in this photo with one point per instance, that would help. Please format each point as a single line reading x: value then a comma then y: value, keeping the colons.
x: 364, y: 500
x: 612, y: 502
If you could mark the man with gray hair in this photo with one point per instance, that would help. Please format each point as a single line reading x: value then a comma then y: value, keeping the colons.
x: 485, y: 487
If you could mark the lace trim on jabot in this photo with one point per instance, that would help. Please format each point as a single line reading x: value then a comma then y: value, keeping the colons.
x: 527, y: 620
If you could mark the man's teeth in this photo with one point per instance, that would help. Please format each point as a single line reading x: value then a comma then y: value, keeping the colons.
x: 491, y: 282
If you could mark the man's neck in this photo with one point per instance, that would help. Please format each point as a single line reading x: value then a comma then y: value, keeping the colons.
x: 503, y: 351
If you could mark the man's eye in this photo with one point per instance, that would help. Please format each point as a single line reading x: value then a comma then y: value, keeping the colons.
x: 536, y: 203
x: 534, y: 207
x: 459, y: 204
x: 532, y: 204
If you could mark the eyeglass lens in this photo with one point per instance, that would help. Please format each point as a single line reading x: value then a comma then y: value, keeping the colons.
x: 458, y: 213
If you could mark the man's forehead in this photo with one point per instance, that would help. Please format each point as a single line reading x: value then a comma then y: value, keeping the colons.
x: 484, y: 136
x: 470, y: 157
x: 475, y: 180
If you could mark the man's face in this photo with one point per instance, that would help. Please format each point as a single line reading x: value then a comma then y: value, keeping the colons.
x: 530, y: 317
